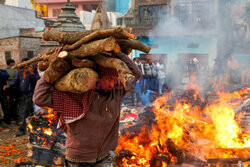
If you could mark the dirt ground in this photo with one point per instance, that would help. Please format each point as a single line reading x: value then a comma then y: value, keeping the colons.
x: 12, y: 149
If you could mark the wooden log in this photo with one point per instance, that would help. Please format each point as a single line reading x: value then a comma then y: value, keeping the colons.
x: 126, y: 49
x: 100, y: 34
x: 75, y: 61
x: 227, y: 160
x: 57, y: 68
x: 72, y: 37
x: 43, y: 65
x: 34, y: 59
x: 77, y: 81
x: 67, y: 56
x: 83, y: 63
x: 158, y: 161
x: 137, y: 45
x: 184, y: 156
x: 125, y: 75
x: 95, y: 48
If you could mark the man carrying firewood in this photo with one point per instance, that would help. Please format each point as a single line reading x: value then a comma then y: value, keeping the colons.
x: 90, y: 119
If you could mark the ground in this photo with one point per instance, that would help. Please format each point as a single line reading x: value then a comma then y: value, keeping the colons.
x: 12, y: 149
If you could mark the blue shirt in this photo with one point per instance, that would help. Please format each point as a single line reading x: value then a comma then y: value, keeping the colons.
x: 145, y: 97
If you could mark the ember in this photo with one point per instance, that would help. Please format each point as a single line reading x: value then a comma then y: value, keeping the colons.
x: 46, y: 141
x: 188, y: 133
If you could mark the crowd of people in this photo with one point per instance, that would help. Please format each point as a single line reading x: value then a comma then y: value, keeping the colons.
x: 17, y: 89
x: 153, y: 82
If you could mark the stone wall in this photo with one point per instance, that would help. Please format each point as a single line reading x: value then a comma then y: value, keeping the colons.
x: 29, y: 44
x: 9, y: 45
x: 18, y: 48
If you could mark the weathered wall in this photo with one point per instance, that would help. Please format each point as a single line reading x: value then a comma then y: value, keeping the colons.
x: 16, y: 18
x: 18, y: 47
x: 29, y: 44
x: 11, y: 45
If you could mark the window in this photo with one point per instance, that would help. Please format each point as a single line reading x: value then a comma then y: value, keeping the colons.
x: 192, y: 45
x: 56, y: 12
x: 30, y: 54
x: 7, y: 55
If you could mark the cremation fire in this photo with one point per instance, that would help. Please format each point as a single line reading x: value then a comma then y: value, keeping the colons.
x: 187, y: 133
x: 46, y: 141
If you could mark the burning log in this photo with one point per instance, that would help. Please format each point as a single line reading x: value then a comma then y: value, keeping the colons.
x: 77, y: 81
x: 121, y: 155
x: 184, y: 156
x: 43, y: 156
x: 158, y: 161
x: 45, y: 140
x: 227, y: 160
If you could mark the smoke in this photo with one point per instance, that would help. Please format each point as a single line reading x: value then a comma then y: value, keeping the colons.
x: 202, y: 29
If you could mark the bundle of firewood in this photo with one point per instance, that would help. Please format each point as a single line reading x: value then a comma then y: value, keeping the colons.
x: 71, y: 66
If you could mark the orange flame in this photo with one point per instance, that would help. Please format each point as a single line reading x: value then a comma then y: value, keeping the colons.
x: 216, y: 134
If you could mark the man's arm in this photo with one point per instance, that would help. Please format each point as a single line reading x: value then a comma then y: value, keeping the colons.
x: 131, y: 65
x: 43, y: 93
x: 15, y: 81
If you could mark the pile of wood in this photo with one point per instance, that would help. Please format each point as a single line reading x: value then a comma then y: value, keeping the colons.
x: 72, y: 66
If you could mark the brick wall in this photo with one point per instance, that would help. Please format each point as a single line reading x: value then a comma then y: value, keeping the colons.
x: 29, y: 44
x: 9, y: 45
x: 18, y: 48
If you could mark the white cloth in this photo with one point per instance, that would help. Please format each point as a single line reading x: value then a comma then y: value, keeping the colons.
x: 161, y: 70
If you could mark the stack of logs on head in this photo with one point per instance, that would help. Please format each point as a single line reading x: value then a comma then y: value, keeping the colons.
x: 72, y: 65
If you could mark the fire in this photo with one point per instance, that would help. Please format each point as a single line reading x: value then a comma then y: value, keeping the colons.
x: 209, y: 132
x: 29, y: 126
x: 47, y: 131
x: 50, y: 116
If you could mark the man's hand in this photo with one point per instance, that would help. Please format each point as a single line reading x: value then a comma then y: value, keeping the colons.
x: 6, y: 87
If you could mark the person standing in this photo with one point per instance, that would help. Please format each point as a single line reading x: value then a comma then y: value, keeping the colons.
x: 161, y: 71
x: 92, y: 124
x: 139, y: 84
x: 12, y: 93
x: 148, y: 76
x: 25, y: 80
x: 3, y: 100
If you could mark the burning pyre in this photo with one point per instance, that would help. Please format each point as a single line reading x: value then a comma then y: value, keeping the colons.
x: 186, y: 132
x: 46, y: 142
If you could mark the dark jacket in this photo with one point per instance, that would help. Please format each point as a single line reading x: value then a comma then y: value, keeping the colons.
x: 3, y: 77
x: 27, y: 85
x: 91, y: 138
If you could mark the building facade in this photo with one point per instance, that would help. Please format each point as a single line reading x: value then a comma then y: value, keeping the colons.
x: 17, y: 37
x: 27, y: 44
x: 54, y: 6
x: 19, y: 3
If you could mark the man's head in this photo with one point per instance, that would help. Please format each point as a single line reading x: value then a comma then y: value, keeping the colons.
x: 136, y: 59
x: 10, y: 62
x: 25, y: 59
x: 108, y: 78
